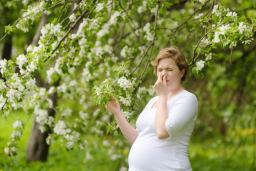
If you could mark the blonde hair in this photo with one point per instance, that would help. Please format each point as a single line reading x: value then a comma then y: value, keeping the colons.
x: 175, y: 53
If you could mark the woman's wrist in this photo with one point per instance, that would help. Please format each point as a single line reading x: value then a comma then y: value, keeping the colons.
x: 117, y: 113
x: 163, y: 96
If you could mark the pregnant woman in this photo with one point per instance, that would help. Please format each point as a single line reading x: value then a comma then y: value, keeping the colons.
x: 163, y: 129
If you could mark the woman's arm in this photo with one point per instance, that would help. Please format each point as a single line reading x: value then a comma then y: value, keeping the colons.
x: 128, y: 131
x: 161, y: 117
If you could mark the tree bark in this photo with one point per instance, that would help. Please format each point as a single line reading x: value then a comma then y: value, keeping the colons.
x: 7, y: 48
x: 37, y: 149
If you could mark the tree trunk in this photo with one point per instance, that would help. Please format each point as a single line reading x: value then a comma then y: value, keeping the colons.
x: 37, y: 149
x: 7, y: 50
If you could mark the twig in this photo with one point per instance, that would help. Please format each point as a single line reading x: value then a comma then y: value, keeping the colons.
x: 71, y: 28
x: 184, y: 22
x: 153, y: 41
x: 70, y: 14
x: 230, y: 56
x: 55, y: 5
x: 25, y: 17
x: 194, y: 59
x: 143, y: 56
x: 13, y: 25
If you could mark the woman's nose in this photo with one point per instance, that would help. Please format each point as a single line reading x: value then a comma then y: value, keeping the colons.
x: 163, y: 73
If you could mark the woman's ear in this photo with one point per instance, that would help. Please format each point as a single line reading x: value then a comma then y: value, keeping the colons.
x: 183, y: 72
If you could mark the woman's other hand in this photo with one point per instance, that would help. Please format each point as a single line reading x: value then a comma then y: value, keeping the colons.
x: 113, y: 106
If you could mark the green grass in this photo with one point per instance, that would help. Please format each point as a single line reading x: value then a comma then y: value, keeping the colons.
x: 204, y: 156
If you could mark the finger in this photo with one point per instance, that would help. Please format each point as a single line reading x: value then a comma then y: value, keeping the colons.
x: 164, y: 79
x: 159, y: 78
x: 113, y: 98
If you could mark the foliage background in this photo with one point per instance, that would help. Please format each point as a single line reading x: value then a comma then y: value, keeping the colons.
x: 224, y: 137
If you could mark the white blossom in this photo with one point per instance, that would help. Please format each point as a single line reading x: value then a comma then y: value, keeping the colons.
x: 50, y: 72
x: 7, y: 150
x: 199, y: 15
x: 31, y: 83
x: 141, y: 89
x: 14, y: 149
x: 99, y: 7
x: 205, y: 41
x: 17, y: 124
x: 70, y: 145
x: 200, y: 64
x: 59, y: 128
x: 102, y: 32
x: 149, y: 36
x: 82, y: 115
x: 25, y: 2
x: 224, y: 29
x: 124, y: 83
x: 124, y: 51
x: 50, y: 121
x: 232, y: 44
x: 16, y: 134
x: 144, y: 3
x: 126, y: 101
x: 208, y: 56
x: 42, y: 116
x: 52, y: 90
x: 202, y: 1
x: 21, y: 60
x: 146, y: 27
x: 72, y: 17
x: 126, y: 114
x: 49, y: 140
x: 113, y: 19
x: 115, y: 156
x: 216, y: 37
x: 241, y: 27
x: 153, y: 10
x: 106, y: 143
x: 3, y: 64
x: 215, y: 8
x: 231, y: 14
x: 67, y: 112
x: 141, y: 9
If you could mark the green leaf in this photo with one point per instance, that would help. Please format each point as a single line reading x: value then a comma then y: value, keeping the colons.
x: 127, y: 20
x: 194, y: 70
x: 198, y: 50
x: 9, y: 29
x: 209, y: 35
x: 209, y: 64
x: 201, y: 74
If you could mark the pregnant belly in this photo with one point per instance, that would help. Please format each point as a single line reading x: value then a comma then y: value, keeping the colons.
x: 156, y: 154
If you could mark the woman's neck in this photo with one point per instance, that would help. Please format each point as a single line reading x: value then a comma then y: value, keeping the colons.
x: 173, y: 92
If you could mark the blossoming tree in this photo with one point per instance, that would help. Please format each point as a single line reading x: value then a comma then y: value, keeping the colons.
x: 97, y: 49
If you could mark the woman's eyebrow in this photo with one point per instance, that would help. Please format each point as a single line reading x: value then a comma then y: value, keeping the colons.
x: 166, y: 67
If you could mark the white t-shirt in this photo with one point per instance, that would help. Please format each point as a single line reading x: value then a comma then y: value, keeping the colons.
x: 148, y: 153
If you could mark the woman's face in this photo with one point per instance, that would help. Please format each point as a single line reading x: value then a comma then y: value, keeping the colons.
x: 167, y: 67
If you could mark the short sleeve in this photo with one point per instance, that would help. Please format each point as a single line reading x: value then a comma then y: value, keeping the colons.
x: 183, y: 111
